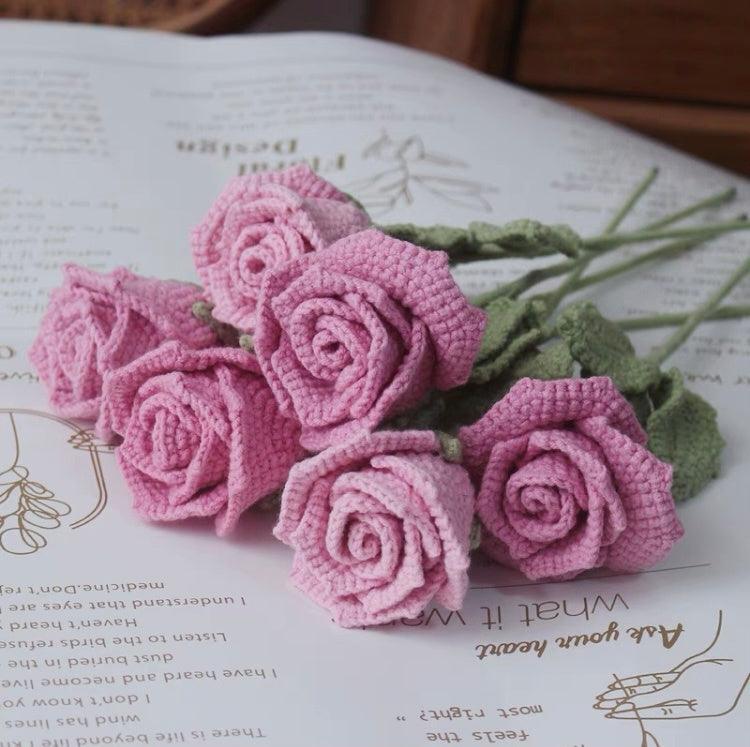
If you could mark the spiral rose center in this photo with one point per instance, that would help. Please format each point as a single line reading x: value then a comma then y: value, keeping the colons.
x: 364, y: 538
x: 362, y: 541
x: 254, y: 265
x: 172, y: 430
x: 542, y: 502
x: 330, y: 352
x: 260, y: 247
x: 545, y: 498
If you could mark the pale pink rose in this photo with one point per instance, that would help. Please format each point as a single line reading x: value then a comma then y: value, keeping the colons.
x: 96, y: 323
x: 567, y: 483
x: 202, y: 435
x: 259, y: 222
x: 379, y: 526
x: 353, y: 334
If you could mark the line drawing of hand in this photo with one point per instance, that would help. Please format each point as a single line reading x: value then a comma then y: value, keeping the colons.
x: 704, y: 685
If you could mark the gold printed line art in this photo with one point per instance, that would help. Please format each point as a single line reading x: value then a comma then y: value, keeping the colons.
x: 701, y: 686
x: 28, y: 508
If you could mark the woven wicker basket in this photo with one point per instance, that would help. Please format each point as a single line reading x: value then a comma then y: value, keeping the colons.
x: 195, y: 16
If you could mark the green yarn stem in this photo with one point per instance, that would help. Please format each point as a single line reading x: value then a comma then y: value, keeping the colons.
x: 203, y: 312
x: 642, y: 236
x: 515, y: 288
x: 663, y: 351
x: 716, y: 200
x: 632, y: 200
x: 450, y: 447
x: 576, y: 276
x: 668, y: 251
x: 655, y: 321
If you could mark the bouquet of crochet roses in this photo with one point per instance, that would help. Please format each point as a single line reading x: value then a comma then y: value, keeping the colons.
x: 335, y: 371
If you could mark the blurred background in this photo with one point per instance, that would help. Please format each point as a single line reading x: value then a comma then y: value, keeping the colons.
x: 678, y: 70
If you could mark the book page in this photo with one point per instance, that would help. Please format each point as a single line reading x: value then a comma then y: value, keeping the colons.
x: 113, y: 144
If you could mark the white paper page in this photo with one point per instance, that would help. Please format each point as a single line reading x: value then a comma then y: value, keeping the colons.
x: 112, y: 146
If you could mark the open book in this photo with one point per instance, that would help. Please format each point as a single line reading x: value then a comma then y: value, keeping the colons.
x: 112, y: 146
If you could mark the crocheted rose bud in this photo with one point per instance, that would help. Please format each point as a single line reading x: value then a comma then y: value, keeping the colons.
x: 202, y: 435
x: 258, y: 223
x: 380, y: 527
x: 566, y: 483
x: 97, y: 323
x: 360, y: 331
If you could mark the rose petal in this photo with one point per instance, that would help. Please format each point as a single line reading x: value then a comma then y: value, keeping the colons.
x: 418, y: 305
x: 202, y: 433
x: 380, y: 527
x: 531, y: 404
x: 260, y: 222
x: 644, y: 485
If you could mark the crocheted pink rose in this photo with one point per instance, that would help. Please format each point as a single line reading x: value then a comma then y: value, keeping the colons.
x: 566, y: 483
x: 357, y: 332
x: 202, y: 435
x: 96, y: 323
x: 380, y: 527
x: 258, y: 223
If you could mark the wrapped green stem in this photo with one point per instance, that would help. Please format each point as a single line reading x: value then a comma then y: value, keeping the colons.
x: 688, y: 239
x: 645, y: 235
x: 519, y: 238
x: 654, y: 321
x: 576, y: 276
x: 716, y: 200
x: 678, y: 337
x: 667, y: 251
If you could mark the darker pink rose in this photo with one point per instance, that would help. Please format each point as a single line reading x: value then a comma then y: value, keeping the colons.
x: 202, y: 435
x: 379, y: 526
x: 96, y: 323
x: 258, y: 223
x: 566, y: 482
x: 351, y: 335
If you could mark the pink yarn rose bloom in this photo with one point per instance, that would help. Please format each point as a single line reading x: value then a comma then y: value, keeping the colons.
x: 202, y: 435
x: 96, y: 323
x: 567, y: 483
x: 355, y: 333
x: 259, y: 222
x: 380, y: 527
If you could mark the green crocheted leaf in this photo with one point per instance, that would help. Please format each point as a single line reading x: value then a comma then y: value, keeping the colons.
x: 426, y: 416
x: 505, y: 318
x: 603, y: 349
x: 467, y: 404
x: 454, y: 241
x: 642, y: 406
x: 682, y: 430
x: 512, y: 328
x: 520, y: 238
x: 501, y: 363
x: 554, y: 362
x: 526, y: 238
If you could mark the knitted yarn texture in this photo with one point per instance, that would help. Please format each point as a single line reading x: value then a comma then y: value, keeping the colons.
x: 353, y: 334
x: 258, y: 223
x: 566, y: 483
x: 96, y: 323
x: 202, y: 435
x: 380, y: 527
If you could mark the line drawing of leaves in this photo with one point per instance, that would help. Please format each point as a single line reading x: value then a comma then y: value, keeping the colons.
x: 457, y: 191
x: 404, y: 163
